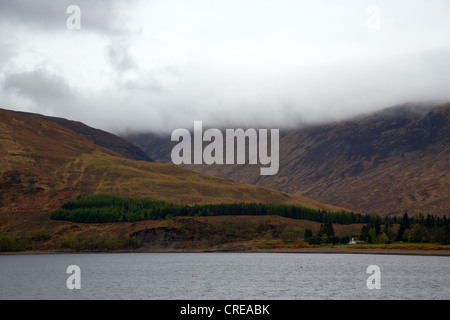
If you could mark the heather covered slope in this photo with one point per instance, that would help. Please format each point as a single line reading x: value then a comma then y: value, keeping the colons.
x: 99, y: 137
x: 44, y: 164
x: 388, y: 162
x: 42, y: 156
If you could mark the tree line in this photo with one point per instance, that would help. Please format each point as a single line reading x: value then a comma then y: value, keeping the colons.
x: 108, y: 208
x: 429, y: 229
x: 376, y: 229
x: 419, y: 229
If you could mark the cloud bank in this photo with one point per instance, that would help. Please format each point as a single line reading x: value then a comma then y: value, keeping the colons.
x: 160, y: 65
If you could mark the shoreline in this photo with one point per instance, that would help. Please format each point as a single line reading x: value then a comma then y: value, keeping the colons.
x: 417, y: 252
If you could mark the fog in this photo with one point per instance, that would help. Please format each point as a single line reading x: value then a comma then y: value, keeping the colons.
x: 160, y: 65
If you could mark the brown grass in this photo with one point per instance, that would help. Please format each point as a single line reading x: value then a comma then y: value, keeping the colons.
x: 43, y: 164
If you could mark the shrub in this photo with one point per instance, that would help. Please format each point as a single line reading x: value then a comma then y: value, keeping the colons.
x: 11, y: 243
x: 41, y: 235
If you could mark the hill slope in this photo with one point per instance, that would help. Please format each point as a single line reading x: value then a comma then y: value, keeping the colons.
x: 389, y: 162
x: 43, y: 164
x: 99, y: 137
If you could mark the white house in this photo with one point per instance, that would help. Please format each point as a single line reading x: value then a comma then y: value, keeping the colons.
x: 352, y: 241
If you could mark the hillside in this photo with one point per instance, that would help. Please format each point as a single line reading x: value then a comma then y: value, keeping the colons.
x: 388, y: 162
x: 99, y: 137
x: 44, y: 164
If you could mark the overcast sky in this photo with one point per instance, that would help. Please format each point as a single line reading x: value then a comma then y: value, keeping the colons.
x: 160, y: 65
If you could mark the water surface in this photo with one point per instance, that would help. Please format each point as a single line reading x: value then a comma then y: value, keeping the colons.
x: 206, y: 276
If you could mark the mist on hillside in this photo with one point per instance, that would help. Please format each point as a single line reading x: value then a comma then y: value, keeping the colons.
x: 136, y: 66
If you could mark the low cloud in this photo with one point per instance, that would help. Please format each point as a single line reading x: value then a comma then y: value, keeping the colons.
x: 50, y: 16
x: 156, y: 66
x: 38, y: 86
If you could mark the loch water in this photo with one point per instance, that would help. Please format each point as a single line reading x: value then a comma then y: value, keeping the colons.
x: 203, y: 276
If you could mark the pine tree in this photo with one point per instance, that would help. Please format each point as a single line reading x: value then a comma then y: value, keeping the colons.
x: 308, y: 234
x: 404, y: 225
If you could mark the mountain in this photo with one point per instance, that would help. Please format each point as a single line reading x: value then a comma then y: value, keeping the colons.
x: 99, y: 137
x: 43, y: 164
x: 389, y: 162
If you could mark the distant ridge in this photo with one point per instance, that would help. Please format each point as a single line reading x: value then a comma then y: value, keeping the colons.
x: 391, y: 161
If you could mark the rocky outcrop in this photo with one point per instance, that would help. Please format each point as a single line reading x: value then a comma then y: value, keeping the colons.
x: 161, y: 234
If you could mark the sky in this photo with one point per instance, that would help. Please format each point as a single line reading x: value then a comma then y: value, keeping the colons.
x: 139, y: 65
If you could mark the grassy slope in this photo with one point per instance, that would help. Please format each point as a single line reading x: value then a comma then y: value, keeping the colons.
x: 44, y: 164
x: 387, y: 163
